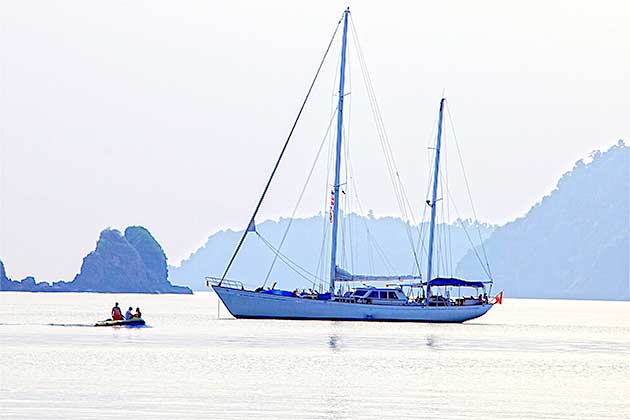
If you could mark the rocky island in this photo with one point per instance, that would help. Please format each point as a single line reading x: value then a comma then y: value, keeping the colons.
x: 133, y: 262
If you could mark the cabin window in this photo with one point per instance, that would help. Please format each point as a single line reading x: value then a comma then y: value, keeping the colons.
x: 360, y: 293
x: 393, y: 295
x: 384, y: 295
x: 373, y: 295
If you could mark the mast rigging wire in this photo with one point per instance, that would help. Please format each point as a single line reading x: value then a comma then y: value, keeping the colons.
x: 299, y: 200
x: 298, y: 269
x: 399, y: 191
x: 474, y: 248
x: 284, y: 148
x: 472, y: 205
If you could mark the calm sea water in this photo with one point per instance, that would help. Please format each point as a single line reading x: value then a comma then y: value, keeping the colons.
x: 526, y: 359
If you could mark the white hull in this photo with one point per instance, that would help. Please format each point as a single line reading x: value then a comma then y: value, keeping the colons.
x: 248, y: 304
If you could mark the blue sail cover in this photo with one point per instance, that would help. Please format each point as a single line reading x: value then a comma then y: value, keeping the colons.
x: 278, y: 292
x: 450, y: 281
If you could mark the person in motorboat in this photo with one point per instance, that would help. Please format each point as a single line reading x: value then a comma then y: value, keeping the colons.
x: 116, y: 313
x: 117, y: 319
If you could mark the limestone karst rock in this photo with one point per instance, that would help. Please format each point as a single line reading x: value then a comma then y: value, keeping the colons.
x: 129, y: 263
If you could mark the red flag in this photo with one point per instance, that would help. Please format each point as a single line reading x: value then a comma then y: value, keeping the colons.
x: 499, y: 298
x: 332, y: 204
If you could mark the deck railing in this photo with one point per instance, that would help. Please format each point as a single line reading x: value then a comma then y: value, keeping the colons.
x: 217, y: 281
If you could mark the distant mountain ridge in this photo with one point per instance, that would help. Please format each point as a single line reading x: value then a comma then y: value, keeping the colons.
x: 388, y: 236
x: 129, y: 263
x: 575, y: 243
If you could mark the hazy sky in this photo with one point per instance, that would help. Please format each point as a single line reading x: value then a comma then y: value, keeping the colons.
x: 171, y: 114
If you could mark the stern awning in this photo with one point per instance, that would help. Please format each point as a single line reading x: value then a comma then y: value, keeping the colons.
x: 451, y: 281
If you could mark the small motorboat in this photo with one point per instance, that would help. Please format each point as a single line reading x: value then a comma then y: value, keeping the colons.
x: 133, y: 322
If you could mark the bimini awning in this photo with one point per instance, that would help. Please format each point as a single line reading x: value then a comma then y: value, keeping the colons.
x: 343, y: 275
x: 451, y: 281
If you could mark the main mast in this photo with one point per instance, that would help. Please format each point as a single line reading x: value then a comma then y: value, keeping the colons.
x: 335, y: 226
x: 436, y: 172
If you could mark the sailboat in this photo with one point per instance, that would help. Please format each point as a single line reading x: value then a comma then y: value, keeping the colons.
x: 366, y: 302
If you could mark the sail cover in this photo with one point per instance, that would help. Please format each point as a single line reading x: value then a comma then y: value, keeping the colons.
x: 343, y: 275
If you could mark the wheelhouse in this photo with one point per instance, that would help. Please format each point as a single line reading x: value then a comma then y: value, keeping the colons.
x: 375, y: 295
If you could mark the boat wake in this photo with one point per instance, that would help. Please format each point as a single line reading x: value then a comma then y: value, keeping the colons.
x: 66, y: 325
x: 22, y: 324
x: 69, y: 325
